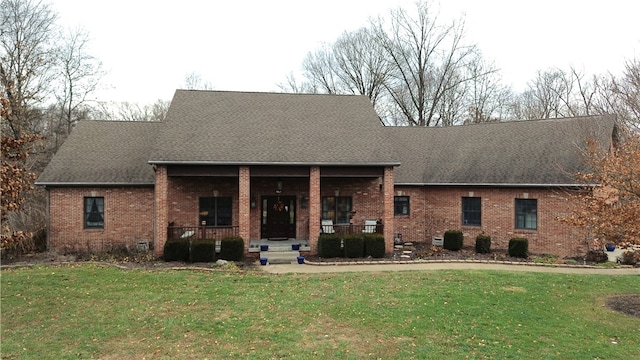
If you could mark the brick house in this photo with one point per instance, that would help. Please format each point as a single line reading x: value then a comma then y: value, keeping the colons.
x: 270, y: 167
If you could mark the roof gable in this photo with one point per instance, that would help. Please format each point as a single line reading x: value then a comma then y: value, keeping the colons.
x: 218, y: 127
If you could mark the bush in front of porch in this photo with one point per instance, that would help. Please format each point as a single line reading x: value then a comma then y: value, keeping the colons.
x: 330, y: 245
x: 203, y: 250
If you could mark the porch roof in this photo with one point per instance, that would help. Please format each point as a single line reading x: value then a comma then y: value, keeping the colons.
x: 246, y: 128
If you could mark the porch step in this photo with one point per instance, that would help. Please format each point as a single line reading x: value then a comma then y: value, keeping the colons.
x: 280, y: 257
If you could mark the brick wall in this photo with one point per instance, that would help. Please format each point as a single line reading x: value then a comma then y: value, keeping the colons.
x: 128, y: 218
x: 437, y: 209
x: 129, y: 212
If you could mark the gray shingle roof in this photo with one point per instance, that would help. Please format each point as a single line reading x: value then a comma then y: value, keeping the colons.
x: 220, y: 127
x: 215, y: 127
x: 104, y: 153
x: 541, y: 152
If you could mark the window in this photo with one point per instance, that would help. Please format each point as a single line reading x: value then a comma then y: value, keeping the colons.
x: 94, y: 213
x: 215, y: 211
x: 336, y: 208
x: 471, y: 211
x: 400, y: 205
x: 527, y: 214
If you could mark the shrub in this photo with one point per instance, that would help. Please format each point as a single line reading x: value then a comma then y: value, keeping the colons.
x: 203, y: 250
x: 353, y: 246
x: 330, y: 245
x: 374, y: 245
x: 483, y: 244
x: 176, y: 250
x: 630, y: 257
x: 232, y: 248
x: 519, y: 247
x: 597, y: 256
x: 453, y: 240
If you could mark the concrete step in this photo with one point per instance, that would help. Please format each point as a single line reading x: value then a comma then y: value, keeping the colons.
x: 280, y: 257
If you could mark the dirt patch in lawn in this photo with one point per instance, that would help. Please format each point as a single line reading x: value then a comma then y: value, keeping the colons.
x: 626, y: 304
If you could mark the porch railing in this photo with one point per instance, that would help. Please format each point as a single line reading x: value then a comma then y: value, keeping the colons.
x: 343, y: 229
x: 202, y: 232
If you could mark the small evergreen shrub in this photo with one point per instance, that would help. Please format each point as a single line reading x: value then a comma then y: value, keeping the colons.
x: 519, y: 247
x: 232, y: 248
x: 203, y: 250
x: 453, y: 240
x: 176, y: 250
x: 374, y: 245
x: 596, y: 256
x: 630, y: 257
x: 329, y: 246
x: 483, y: 244
x: 353, y: 246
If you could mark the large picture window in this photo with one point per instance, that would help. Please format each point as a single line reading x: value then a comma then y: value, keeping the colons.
x: 471, y: 211
x: 400, y: 205
x: 527, y: 214
x: 336, y: 208
x: 94, y: 213
x: 215, y: 211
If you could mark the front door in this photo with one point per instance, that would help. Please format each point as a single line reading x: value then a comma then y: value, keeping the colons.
x: 278, y: 217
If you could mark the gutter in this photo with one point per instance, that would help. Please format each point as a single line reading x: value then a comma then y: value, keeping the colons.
x: 250, y: 163
x: 496, y: 184
x: 65, y: 184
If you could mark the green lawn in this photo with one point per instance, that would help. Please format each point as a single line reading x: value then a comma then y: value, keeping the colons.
x: 87, y: 311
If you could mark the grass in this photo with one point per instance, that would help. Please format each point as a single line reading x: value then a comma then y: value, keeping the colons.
x: 87, y: 311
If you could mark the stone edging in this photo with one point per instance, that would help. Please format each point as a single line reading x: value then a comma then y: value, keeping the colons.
x: 328, y: 263
x: 421, y: 261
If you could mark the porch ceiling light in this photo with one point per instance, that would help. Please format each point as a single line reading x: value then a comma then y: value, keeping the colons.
x: 279, y: 187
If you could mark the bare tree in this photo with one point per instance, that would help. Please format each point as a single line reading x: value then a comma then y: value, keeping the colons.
x: 427, y: 60
x: 26, y: 60
x: 487, y: 99
x: 293, y: 85
x: 558, y: 93
x: 126, y: 111
x: 624, y: 94
x: 194, y: 81
x: 80, y: 75
x: 351, y: 65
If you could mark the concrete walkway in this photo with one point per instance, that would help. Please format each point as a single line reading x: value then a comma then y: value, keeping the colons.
x: 430, y: 266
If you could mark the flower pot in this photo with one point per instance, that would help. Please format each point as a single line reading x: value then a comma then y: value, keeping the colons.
x: 264, y: 247
x: 295, y: 246
x: 610, y: 247
x: 263, y: 261
x: 300, y: 259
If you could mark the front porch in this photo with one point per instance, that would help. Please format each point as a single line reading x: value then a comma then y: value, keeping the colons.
x: 273, y: 205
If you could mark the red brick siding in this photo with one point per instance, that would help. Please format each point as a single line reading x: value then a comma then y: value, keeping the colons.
x: 161, y: 209
x: 128, y: 218
x: 314, y: 208
x: 443, y: 211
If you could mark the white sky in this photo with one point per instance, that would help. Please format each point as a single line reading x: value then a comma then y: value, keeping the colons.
x: 149, y: 46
